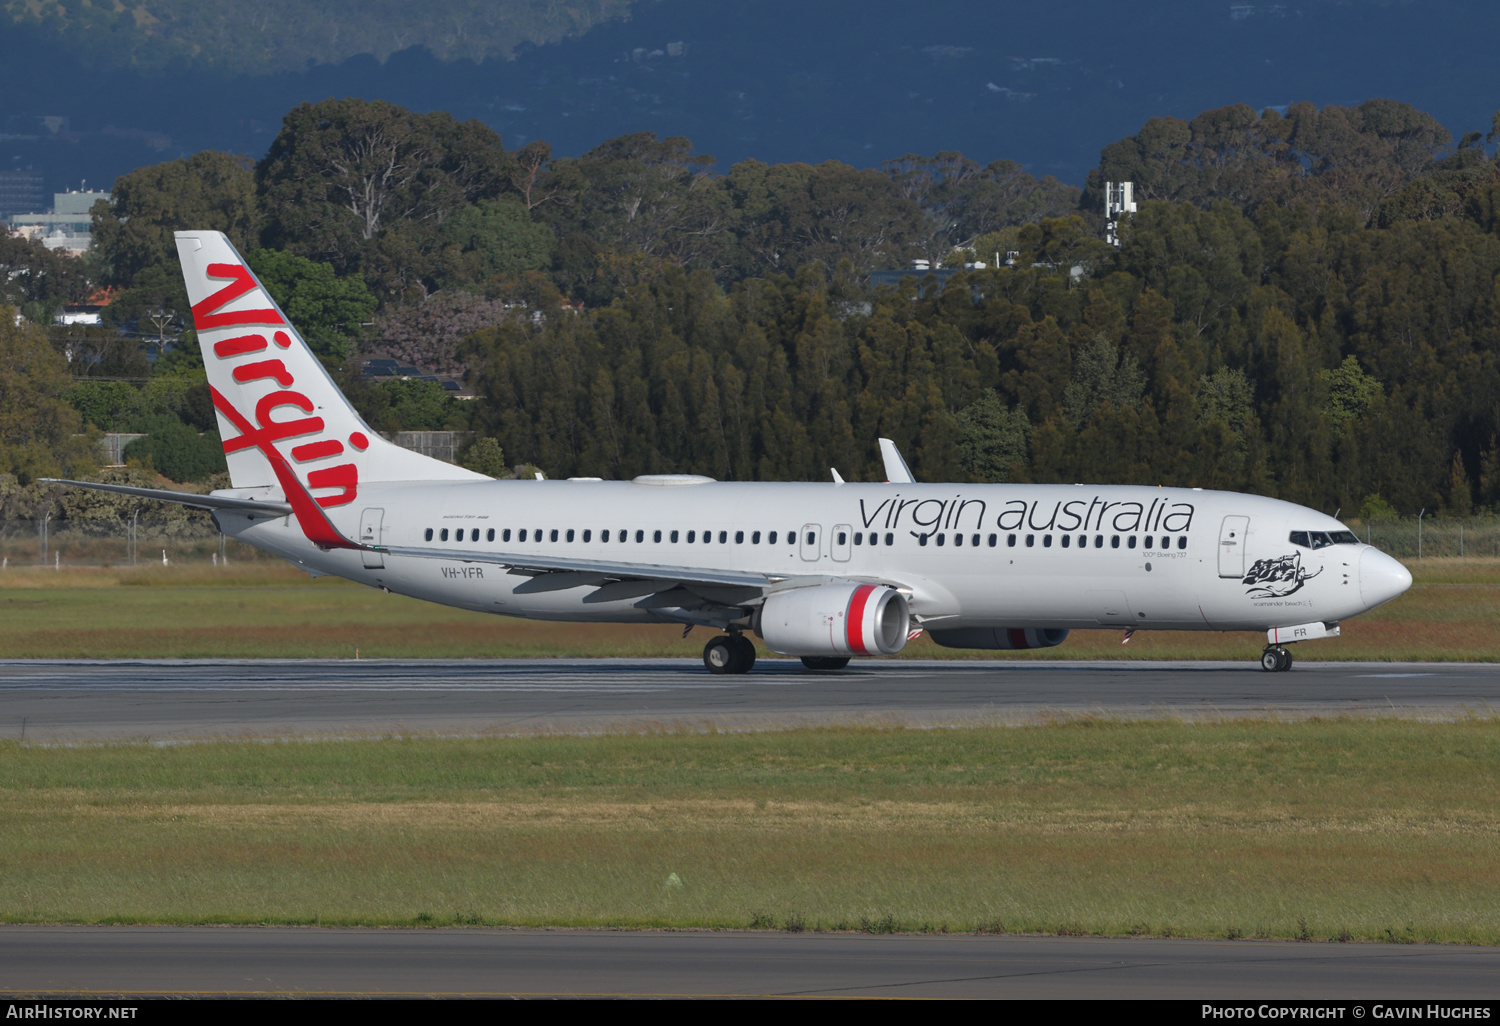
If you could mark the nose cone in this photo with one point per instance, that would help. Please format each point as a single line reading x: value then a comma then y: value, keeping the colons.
x: 1381, y: 578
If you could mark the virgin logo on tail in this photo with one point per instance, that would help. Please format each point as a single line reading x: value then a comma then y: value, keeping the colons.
x: 265, y: 430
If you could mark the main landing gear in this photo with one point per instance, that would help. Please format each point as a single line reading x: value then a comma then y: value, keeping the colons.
x: 729, y: 653
x: 1275, y: 659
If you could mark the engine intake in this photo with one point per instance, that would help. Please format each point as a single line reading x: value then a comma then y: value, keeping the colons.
x: 836, y: 620
x: 1000, y: 637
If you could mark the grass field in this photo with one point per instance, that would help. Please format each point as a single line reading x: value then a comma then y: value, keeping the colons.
x: 1452, y: 613
x: 1380, y: 830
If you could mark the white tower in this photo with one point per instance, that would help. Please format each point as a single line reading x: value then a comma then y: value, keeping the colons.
x: 1119, y: 198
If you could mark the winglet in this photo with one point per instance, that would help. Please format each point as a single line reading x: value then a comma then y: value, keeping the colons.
x: 838, y: 478
x: 896, y: 470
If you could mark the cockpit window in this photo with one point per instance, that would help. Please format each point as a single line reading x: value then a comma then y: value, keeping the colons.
x: 1322, y: 539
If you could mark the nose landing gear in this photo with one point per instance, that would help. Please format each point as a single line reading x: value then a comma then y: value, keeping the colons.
x: 729, y: 653
x: 1275, y: 659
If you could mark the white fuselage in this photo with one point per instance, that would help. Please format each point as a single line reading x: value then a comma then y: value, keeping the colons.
x: 1013, y: 556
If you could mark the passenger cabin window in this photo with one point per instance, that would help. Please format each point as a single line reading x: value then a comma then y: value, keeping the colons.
x: 674, y: 537
x: 489, y: 535
x: 505, y: 535
x: 692, y: 537
x: 993, y: 539
x: 723, y: 537
x: 640, y: 536
x: 1066, y: 540
x: 1182, y: 542
x: 1130, y: 542
x: 554, y: 534
x: 739, y: 537
x: 771, y: 538
x: 444, y: 535
x: 890, y: 539
x: 1114, y: 541
x: 570, y: 534
x: 604, y: 535
x: 1030, y: 540
x: 587, y: 534
x: 1046, y: 541
x: 656, y: 536
x: 755, y: 538
x: 1010, y: 541
x: 429, y: 534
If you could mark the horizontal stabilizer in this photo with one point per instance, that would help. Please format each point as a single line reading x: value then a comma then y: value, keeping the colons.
x: 275, y: 509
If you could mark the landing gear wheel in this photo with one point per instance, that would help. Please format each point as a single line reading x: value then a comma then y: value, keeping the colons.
x: 825, y: 662
x: 718, y: 655
x: 744, y: 653
x: 729, y: 653
x: 1276, y: 660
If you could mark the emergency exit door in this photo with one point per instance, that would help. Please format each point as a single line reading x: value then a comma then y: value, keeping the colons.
x: 811, y: 543
x: 369, y: 535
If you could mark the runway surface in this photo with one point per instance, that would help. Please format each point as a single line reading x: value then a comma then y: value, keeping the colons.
x: 186, y: 699
x: 206, y: 960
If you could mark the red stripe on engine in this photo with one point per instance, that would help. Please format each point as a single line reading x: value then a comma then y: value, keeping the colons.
x: 1018, y: 637
x: 854, y: 617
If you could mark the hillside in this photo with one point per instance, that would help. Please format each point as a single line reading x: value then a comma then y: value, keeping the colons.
x: 289, y: 35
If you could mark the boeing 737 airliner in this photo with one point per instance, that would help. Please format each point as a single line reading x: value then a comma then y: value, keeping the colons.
x: 819, y: 571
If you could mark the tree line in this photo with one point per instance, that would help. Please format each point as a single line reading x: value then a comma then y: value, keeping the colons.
x: 1305, y: 304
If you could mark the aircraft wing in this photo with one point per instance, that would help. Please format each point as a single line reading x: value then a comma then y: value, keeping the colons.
x: 210, y: 502
x: 581, y: 569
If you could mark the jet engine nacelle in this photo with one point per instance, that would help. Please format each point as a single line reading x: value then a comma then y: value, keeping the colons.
x: 1000, y: 637
x: 836, y: 620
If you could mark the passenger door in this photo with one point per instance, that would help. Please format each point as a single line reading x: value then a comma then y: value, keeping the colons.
x: 1232, y: 535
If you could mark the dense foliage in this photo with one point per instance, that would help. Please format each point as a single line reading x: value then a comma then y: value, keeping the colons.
x: 1307, y: 303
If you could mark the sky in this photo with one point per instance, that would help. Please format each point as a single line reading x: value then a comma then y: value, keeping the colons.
x: 1041, y: 83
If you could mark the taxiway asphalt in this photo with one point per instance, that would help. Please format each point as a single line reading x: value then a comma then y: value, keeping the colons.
x: 208, y: 961
x: 188, y: 699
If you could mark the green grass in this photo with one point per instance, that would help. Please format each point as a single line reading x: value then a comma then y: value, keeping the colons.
x: 260, y: 610
x: 1369, y: 830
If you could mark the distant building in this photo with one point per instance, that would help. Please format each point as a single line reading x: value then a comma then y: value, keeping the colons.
x: 67, y: 227
x: 20, y: 193
x: 923, y: 269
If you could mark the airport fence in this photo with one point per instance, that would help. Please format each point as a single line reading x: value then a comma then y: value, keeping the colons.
x: 1432, y: 537
x: 62, y: 543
